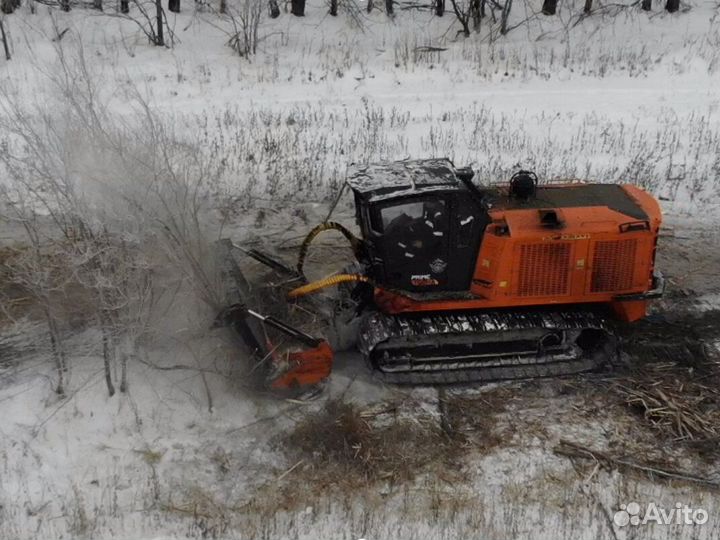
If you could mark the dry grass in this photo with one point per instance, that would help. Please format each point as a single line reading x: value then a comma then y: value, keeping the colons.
x: 342, y: 445
x: 474, y: 418
x: 71, y: 301
x: 673, y: 389
x: 209, y: 516
x: 680, y: 409
x: 151, y: 457
x: 14, y: 299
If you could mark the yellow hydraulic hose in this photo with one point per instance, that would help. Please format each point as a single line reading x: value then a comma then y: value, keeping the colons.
x: 326, y: 282
x: 355, y: 242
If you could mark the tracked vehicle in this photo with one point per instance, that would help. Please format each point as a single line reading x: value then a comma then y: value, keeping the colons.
x: 463, y: 283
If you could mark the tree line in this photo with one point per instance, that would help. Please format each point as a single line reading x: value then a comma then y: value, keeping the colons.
x: 245, y: 17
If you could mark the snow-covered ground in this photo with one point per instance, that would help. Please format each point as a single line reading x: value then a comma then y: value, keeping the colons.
x: 189, y: 452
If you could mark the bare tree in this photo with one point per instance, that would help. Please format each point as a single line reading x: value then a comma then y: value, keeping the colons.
x: 42, y: 171
x: 149, y: 16
x: 333, y: 8
x: 174, y: 6
x: 112, y: 189
x: 120, y: 280
x: 38, y: 271
x: 587, y: 8
x: 3, y: 35
x: 504, y: 15
x: 138, y: 300
x: 439, y: 7
x: 462, y: 12
x: 671, y: 6
x: 646, y: 5
x: 159, y: 39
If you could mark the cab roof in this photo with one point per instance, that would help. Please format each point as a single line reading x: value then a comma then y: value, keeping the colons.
x: 382, y: 180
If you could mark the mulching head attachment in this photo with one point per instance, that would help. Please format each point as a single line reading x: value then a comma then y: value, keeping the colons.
x: 284, y: 357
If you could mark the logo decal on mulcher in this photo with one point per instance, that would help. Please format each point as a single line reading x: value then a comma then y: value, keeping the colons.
x: 423, y: 280
x: 437, y: 266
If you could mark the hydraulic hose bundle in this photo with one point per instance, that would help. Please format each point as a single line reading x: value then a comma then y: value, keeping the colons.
x: 310, y: 288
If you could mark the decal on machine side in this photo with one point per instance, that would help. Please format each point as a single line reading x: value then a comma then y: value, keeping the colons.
x: 423, y: 280
x: 567, y: 237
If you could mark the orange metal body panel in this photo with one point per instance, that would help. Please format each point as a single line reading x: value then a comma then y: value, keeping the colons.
x: 307, y: 367
x: 587, y: 260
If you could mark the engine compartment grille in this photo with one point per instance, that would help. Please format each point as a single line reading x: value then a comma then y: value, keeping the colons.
x: 544, y: 269
x: 613, y: 265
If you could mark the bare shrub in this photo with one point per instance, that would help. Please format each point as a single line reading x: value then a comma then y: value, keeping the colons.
x: 114, y: 198
x: 39, y: 273
x: 150, y: 18
x: 245, y: 18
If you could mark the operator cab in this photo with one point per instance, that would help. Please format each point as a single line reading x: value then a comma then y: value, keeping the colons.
x: 422, y: 222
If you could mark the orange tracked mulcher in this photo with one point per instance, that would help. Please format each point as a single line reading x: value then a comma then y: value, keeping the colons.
x: 458, y: 282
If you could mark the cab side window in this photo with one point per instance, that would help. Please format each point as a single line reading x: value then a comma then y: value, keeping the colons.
x: 417, y: 225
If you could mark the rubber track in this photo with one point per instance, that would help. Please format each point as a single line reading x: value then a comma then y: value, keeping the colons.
x: 377, y: 328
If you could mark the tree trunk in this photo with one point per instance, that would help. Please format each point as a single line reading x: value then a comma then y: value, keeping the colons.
x: 297, y: 7
x: 65, y: 5
x: 462, y: 17
x: 588, y: 6
x: 124, y: 6
x: 504, y: 16
x: 646, y: 5
x: 4, y: 40
x: 123, y: 374
x: 223, y: 6
x: 333, y: 8
x: 7, y: 6
x: 475, y: 13
x: 174, y: 6
x: 549, y: 7
x: 370, y: 6
x: 672, y: 6
x: 107, y: 352
x: 482, y: 9
x: 389, y: 9
x: 274, y: 9
x: 97, y: 4
x: 159, y: 39
x: 439, y: 7
x: 56, y: 348
x: 123, y: 371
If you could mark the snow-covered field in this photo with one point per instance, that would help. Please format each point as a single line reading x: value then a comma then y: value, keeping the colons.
x: 188, y: 451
